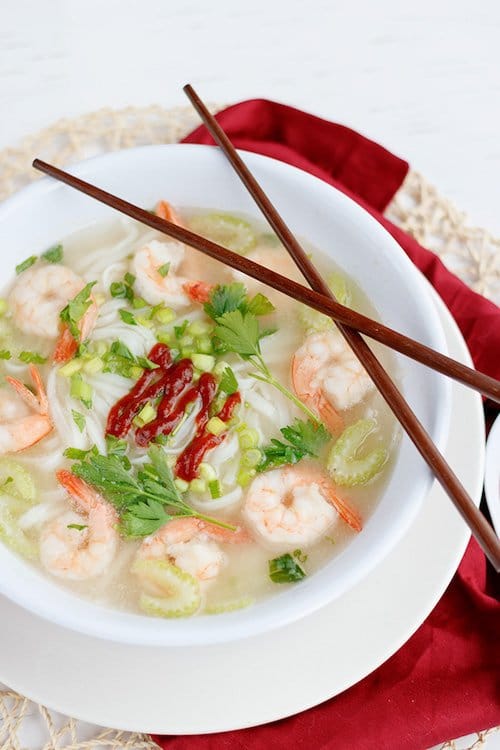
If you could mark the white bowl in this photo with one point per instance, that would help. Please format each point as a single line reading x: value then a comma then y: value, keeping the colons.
x: 194, y: 175
x: 492, y: 474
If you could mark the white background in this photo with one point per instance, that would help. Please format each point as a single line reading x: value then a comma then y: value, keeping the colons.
x: 424, y: 79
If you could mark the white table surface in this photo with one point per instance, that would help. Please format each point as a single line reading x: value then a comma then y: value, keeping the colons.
x: 423, y: 80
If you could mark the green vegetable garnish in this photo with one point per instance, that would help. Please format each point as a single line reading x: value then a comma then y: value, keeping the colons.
x: 120, y: 360
x: 228, y: 383
x: 214, y: 489
x: 76, y: 454
x: 118, y: 289
x: 180, y: 590
x: 77, y: 526
x: 127, y: 317
x: 81, y: 390
x: 129, y: 279
x: 226, y: 298
x: 26, y: 264
x: 164, y: 269
x: 225, y: 229
x: 238, y: 331
x: 78, y: 419
x: 346, y: 468
x: 54, y: 254
x: 76, y: 309
x: 260, y: 305
x: 32, y: 358
x: 179, y: 330
x: 304, y: 439
x: 146, y: 500
x: 5, y: 354
x: 284, y: 569
x: 314, y: 321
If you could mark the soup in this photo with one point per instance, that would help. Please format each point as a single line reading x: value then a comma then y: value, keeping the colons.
x: 176, y: 438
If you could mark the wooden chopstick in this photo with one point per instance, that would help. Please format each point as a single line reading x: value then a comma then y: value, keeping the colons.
x: 478, y: 525
x: 486, y: 385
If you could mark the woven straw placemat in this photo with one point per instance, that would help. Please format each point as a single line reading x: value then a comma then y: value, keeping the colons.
x: 470, y: 252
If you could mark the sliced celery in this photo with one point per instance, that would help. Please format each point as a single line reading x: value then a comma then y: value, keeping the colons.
x: 181, y: 591
x: 16, y: 481
x: 231, y: 605
x: 312, y: 320
x: 229, y: 231
x: 13, y: 536
x: 344, y: 465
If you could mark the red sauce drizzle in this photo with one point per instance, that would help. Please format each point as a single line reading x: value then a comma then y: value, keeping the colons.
x: 123, y: 412
x: 171, y: 382
x: 189, y: 461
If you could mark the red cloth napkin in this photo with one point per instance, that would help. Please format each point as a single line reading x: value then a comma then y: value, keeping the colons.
x: 444, y: 682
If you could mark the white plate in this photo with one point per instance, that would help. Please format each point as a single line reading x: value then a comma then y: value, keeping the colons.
x: 492, y: 475
x: 260, y: 679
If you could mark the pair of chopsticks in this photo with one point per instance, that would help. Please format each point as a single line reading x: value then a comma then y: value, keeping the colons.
x: 320, y: 298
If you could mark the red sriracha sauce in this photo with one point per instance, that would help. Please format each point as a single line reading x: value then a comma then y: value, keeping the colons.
x: 123, y: 412
x: 172, y: 382
x: 169, y: 412
x: 189, y: 461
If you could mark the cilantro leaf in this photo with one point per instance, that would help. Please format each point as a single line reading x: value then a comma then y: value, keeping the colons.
x: 304, y: 439
x: 54, y: 254
x: 284, y: 569
x: 307, y: 436
x: 26, y: 264
x: 144, y: 500
x: 5, y: 354
x: 260, y: 305
x: 144, y: 519
x: 239, y: 333
x: 76, y: 454
x: 76, y: 309
x: 226, y: 298
x: 228, y: 382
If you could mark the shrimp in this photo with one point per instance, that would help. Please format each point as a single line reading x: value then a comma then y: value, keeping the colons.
x: 20, y: 428
x: 80, y: 553
x: 328, y: 377
x: 191, y: 544
x: 290, y: 506
x: 170, y: 287
x: 164, y: 210
x: 36, y: 300
x: 276, y: 259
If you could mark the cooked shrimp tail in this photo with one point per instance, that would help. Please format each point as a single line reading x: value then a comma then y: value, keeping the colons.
x: 20, y: 430
x: 165, y: 211
x: 78, y: 551
x: 345, y: 511
x: 66, y: 347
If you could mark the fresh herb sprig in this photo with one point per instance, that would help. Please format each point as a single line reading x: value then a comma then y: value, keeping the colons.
x: 237, y: 330
x: 145, y: 500
x: 76, y: 308
x: 119, y: 360
x: 303, y: 439
x: 285, y: 569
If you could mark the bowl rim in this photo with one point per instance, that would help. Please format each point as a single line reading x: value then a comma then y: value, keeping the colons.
x: 130, y: 628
